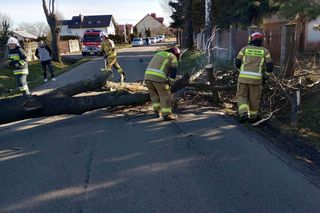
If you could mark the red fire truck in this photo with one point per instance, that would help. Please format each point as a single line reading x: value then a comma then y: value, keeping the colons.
x: 91, y: 42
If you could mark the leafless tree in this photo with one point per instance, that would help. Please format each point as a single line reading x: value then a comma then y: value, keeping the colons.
x: 5, y: 24
x: 36, y: 28
x: 53, y: 21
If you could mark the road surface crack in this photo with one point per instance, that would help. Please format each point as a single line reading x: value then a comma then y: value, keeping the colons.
x: 88, y: 174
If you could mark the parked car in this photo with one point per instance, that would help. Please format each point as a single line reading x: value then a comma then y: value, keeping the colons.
x: 136, y: 42
x: 158, y: 39
x: 162, y: 38
x: 145, y: 41
x: 153, y: 40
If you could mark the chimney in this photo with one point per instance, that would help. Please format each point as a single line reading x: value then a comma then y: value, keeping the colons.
x: 160, y: 19
x: 81, y: 17
x: 153, y: 15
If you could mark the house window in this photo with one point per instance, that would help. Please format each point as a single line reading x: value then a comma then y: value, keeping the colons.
x: 89, y: 22
x: 76, y: 22
x: 69, y: 30
x: 98, y: 22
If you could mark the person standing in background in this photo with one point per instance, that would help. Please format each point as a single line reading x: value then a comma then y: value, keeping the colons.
x: 44, y: 53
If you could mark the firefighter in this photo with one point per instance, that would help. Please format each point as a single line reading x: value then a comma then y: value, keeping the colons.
x: 158, y: 77
x: 255, y: 64
x: 19, y: 65
x: 110, y: 55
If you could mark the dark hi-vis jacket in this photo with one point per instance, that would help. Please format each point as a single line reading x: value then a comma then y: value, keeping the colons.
x: 253, y: 64
x: 18, y: 61
x: 162, y: 68
x: 108, y: 47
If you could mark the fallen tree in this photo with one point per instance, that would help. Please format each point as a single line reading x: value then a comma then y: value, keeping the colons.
x: 70, y: 99
x: 61, y: 101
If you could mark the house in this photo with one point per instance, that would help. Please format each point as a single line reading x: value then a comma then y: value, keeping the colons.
x: 129, y: 27
x: 121, y: 29
x: 79, y: 24
x: 310, y: 37
x: 125, y: 29
x: 28, y: 42
x: 24, y: 36
x: 150, y: 22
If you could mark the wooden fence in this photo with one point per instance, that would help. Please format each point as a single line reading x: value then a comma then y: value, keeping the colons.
x: 273, y: 43
x: 69, y: 46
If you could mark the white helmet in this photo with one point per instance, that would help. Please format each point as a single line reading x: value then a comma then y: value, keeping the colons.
x: 13, y: 40
x: 104, y: 34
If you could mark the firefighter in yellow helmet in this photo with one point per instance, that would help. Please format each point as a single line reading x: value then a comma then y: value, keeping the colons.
x: 255, y: 63
x: 158, y: 77
x: 110, y: 55
x: 19, y: 65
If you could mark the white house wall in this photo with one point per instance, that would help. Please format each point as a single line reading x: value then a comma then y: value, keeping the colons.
x: 65, y: 31
x: 312, y: 33
x: 111, y: 30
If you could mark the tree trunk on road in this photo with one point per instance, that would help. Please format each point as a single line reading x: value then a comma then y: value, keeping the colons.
x: 62, y: 100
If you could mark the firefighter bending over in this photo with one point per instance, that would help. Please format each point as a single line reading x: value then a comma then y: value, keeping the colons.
x: 158, y: 77
x: 255, y: 63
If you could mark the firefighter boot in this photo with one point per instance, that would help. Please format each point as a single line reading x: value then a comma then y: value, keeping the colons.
x: 170, y: 117
x: 157, y: 115
x: 122, y: 77
x: 244, y: 118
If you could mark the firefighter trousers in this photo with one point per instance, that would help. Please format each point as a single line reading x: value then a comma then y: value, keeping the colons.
x: 21, y: 80
x: 160, y: 96
x: 248, y: 99
x: 111, y: 61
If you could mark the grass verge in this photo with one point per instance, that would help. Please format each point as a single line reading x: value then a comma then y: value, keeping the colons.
x: 8, y: 85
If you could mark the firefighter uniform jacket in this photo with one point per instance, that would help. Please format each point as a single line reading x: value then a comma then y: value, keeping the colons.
x: 253, y: 66
x: 162, y: 68
x: 18, y: 61
x: 108, y: 48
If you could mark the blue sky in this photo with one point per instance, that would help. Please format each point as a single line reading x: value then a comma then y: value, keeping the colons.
x: 124, y: 11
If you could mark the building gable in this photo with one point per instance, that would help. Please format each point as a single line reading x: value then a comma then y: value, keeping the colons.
x: 148, y: 22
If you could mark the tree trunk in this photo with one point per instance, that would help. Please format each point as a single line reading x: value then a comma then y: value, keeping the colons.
x: 60, y: 101
x: 208, y: 25
x: 54, y: 28
x: 188, y: 24
x: 13, y: 110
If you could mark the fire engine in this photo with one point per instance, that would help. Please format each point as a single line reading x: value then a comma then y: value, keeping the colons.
x: 91, y: 42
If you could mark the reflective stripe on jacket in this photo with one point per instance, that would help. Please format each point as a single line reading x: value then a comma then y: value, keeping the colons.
x: 160, y: 66
x: 18, y: 61
x: 253, y: 64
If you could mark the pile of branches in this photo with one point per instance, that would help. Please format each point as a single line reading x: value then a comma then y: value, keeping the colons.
x: 207, y: 87
x: 282, y: 93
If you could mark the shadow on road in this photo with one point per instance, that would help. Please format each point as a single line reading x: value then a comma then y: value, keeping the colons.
x: 124, y: 162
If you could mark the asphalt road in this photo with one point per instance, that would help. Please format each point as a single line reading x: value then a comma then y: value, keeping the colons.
x: 128, y: 162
